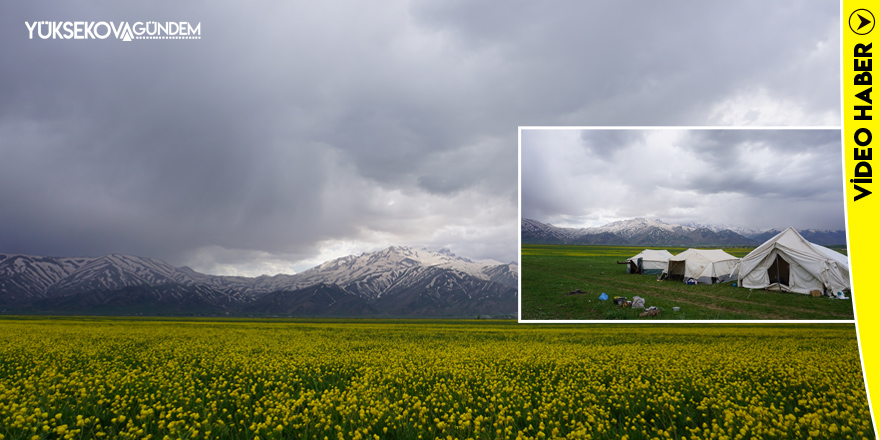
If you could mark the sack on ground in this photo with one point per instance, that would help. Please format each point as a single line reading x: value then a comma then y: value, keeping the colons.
x: 638, y: 302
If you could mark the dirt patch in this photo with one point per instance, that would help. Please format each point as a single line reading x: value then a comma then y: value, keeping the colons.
x: 576, y: 292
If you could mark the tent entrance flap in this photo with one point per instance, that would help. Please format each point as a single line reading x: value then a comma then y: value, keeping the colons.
x: 635, y: 266
x: 779, y: 271
x: 676, y: 269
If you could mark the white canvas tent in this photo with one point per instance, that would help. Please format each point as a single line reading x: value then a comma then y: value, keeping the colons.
x: 648, y: 261
x: 706, y: 266
x: 789, y: 263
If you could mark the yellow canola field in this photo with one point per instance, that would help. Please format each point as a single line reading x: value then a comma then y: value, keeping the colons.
x: 434, y: 379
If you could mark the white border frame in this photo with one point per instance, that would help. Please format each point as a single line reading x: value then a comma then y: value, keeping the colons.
x: 669, y: 321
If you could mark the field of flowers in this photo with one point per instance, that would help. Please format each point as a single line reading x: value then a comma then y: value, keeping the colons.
x: 117, y: 378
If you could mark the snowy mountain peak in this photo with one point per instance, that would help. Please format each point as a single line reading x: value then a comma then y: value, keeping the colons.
x: 739, y: 229
x: 411, y: 281
x: 388, y: 266
x: 652, y: 232
x: 445, y: 251
x: 631, y: 227
x: 422, y: 256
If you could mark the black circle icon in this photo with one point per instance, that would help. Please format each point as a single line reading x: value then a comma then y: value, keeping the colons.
x: 861, y: 21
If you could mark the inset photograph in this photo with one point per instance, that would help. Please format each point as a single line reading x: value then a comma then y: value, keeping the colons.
x: 695, y: 224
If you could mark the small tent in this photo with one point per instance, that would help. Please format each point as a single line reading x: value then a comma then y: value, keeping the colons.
x: 649, y: 261
x: 789, y: 263
x: 705, y: 266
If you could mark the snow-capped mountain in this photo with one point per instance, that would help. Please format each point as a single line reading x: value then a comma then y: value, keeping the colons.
x: 29, y: 279
x: 115, y: 271
x: 635, y: 226
x: 823, y: 237
x: 373, y: 283
x: 634, y: 232
x: 375, y: 273
x: 540, y: 233
x: 650, y: 232
x: 36, y: 276
x: 24, y: 277
x: 739, y: 229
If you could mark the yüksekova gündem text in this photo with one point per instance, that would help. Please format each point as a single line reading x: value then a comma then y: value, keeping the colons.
x: 100, y: 30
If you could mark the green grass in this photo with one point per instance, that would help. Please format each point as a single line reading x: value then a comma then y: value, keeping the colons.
x: 551, y: 272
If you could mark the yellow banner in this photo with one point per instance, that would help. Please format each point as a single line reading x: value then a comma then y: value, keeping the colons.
x: 862, y: 195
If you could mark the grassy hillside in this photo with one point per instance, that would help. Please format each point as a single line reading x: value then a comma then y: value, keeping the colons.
x: 550, y: 273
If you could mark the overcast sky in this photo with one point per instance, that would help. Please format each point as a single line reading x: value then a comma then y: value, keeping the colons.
x: 296, y: 132
x: 757, y: 178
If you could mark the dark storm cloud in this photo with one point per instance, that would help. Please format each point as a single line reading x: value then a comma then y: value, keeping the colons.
x: 297, y: 130
x: 755, y: 178
x: 790, y: 164
x: 643, y: 63
x: 604, y: 144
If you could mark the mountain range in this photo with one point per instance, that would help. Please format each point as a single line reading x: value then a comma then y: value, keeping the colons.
x: 650, y: 232
x: 397, y: 281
